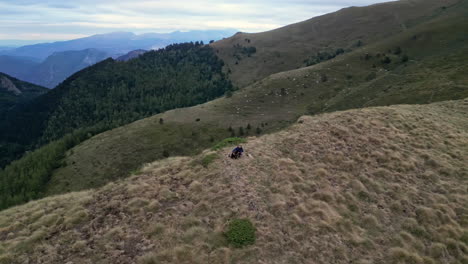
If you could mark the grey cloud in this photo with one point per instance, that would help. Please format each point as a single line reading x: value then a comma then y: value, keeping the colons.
x: 23, y: 17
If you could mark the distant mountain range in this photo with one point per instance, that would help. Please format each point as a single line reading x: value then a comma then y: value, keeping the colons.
x: 48, y: 64
x: 60, y: 65
x: 53, y: 70
x: 118, y: 43
x: 17, y: 66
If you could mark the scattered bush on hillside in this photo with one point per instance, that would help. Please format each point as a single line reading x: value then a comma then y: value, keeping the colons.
x: 323, y: 56
x: 208, y: 159
x: 386, y: 60
x: 397, y: 51
x: 258, y: 131
x: 405, y: 58
x: 249, y: 50
x: 323, y: 78
x: 241, y: 131
x: 161, y: 121
x: 240, y: 233
x: 228, y: 142
x: 242, y: 50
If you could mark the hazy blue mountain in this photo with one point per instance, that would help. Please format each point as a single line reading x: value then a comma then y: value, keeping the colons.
x: 53, y: 70
x: 18, y: 67
x: 60, y: 65
x: 4, y: 48
x: 118, y: 43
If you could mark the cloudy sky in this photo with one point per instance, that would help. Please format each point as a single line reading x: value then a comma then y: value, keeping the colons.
x: 60, y: 19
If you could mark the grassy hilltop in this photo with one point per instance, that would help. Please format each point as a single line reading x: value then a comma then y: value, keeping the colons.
x: 374, y: 185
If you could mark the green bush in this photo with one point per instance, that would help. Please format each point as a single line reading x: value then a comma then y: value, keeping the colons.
x: 241, y: 232
x: 405, y: 58
x: 208, y: 159
x: 228, y: 142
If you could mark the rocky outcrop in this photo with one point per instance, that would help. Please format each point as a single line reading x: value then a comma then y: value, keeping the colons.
x: 8, y: 85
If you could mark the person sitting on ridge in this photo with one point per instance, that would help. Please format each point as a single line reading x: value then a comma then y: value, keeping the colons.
x: 237, y: 152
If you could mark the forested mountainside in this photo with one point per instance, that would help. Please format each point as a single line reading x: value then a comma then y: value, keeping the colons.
x: 14, y: 91
x: 110, y: 94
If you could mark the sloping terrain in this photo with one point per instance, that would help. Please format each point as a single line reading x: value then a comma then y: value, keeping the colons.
x: 375, y: 185
x: 289, y: 47
x: 435, y: 71
x: 14, y: 91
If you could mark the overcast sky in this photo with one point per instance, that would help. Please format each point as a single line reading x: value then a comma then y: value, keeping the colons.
x: 68, y: 19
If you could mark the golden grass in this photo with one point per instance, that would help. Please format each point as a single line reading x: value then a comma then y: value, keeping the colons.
x: 357, y: 186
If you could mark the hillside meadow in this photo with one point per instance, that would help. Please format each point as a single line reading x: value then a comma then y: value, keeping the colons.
x: 374, y: 185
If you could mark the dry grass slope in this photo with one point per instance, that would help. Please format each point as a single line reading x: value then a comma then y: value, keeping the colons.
x: 376, y: 185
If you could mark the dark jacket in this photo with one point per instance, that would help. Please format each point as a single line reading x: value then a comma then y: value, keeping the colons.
x: 237, y: 149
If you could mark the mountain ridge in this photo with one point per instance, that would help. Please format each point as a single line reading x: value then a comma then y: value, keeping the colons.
x: 288, y: 47
x: 117, y: 43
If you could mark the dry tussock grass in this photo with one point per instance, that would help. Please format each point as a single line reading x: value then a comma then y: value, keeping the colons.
x: 378, y: 185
